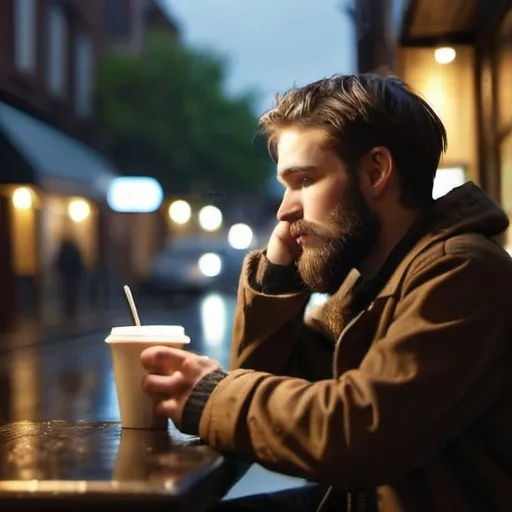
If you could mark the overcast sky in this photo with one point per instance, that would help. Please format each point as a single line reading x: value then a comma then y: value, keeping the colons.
x: 271, y: 44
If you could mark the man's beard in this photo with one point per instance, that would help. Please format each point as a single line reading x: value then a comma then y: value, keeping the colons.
x: 338, y: 245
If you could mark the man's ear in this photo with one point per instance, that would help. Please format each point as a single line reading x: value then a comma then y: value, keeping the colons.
x: 376, y: 171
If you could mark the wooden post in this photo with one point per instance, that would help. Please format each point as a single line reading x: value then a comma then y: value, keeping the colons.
x: 8, y: 296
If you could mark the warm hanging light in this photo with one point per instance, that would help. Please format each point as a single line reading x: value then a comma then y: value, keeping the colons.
x: 445, y: 54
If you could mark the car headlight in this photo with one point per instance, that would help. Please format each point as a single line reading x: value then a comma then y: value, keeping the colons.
x: 240, y: 236
x: 210, y: 264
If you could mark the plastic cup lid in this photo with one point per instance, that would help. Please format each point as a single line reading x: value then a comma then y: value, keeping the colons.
x: 151, y: 331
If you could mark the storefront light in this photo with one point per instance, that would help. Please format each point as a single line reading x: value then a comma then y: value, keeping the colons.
x: 79, y: 210
x: 445, y: 55
x: 22, y: 198
x: 134, y: 194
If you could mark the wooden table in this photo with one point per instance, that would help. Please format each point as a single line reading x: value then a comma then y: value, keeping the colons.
x: 59, y: 465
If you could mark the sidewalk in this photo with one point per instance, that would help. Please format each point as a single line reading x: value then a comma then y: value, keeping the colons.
x: 51, y: 328
x: 32, y: 331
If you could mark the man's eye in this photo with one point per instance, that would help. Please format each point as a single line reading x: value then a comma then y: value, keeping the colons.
x: 306, y: 182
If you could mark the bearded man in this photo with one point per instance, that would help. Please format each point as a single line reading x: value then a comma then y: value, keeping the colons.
x: 396, y: 394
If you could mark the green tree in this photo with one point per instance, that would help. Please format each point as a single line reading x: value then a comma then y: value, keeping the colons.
x: 166, y: 115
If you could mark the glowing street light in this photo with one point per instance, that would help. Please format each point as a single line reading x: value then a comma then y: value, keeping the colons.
x: 180, y: 212
x: 210, y: 218
x: 210, y: 264
x: 240, y: 236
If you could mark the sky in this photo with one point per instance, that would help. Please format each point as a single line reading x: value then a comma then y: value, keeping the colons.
x: 271, y: 45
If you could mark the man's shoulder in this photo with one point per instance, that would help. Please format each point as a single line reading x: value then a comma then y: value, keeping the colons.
x: 486, y: 254
x: 474, y: 246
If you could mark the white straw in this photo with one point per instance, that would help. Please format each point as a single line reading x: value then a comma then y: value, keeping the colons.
x: 131, y: 303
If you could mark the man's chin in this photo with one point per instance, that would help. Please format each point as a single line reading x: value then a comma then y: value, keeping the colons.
x: 319, y: 280
x: 321, y: 287
x: 322, y: 278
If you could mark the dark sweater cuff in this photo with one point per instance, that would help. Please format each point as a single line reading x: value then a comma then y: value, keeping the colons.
x: 197, y: 400
x: 266, y: 277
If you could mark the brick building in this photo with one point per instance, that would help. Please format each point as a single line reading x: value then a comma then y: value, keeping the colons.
x: 51, y: 179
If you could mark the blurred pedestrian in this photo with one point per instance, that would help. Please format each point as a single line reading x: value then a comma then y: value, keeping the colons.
x: 70, y: 270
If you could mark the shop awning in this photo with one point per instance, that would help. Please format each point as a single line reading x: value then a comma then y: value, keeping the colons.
x: 60, y: 163
x: 436, y: 22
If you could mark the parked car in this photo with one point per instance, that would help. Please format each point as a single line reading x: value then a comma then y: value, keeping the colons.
x: 195, y: 265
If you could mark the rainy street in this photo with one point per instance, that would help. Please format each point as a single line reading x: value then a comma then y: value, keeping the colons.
x: 72, y: 379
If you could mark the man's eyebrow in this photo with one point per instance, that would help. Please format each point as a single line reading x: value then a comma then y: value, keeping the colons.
x: 283, y: 173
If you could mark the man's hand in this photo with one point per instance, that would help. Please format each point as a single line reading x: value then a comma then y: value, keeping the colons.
x: 174, y: 373
x: 282, y: 248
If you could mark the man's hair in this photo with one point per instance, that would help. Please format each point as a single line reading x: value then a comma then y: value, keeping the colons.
x: 360, y: 113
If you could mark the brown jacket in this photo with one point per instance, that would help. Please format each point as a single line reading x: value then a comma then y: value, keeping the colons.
x: 411, y: 407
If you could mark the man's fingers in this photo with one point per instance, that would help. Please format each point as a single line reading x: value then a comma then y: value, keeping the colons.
x: 162, y: 359
x: 171, y: 385
x: 169, y: 408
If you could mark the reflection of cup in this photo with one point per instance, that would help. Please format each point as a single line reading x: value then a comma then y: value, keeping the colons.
x: 136, y: 407
x: 135, y: 447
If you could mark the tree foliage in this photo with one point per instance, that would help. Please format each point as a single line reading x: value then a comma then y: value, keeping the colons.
x: 166, y: 115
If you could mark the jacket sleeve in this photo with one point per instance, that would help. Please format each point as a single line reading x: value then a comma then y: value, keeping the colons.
x: 269, y: 332
x: 438, y: 368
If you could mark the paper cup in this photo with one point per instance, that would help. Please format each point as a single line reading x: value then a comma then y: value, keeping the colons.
x: 136, y: 407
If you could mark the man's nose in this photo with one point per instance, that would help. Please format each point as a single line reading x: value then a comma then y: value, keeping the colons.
x: 291, y: 208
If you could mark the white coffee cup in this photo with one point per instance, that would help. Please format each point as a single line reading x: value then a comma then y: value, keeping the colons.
x: 136, y: 407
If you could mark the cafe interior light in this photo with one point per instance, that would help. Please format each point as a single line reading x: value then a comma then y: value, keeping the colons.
x: 180, y: 211
x: 210, y: 218
x: 445, y: 55
x: 79, y: 210
x: 22, y: 198
x: 240, y: 236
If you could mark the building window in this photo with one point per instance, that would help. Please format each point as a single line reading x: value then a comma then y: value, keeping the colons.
x: 56, y: 57
x: 506, y: 183
x: 118, y: 18
x: 446, y: 179
x: 83, y: 74
x: 25, y: 35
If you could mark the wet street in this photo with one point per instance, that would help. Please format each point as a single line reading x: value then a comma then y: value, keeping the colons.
x: 73, y: 379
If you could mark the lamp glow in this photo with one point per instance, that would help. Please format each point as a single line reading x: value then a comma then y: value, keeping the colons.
x: 180, y: 212
x: 240, y: 236
x: 210, y: 264
x: 22, y: 198
x: 445, y: 55
x: 79, y: 210
x: 210, y: 218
